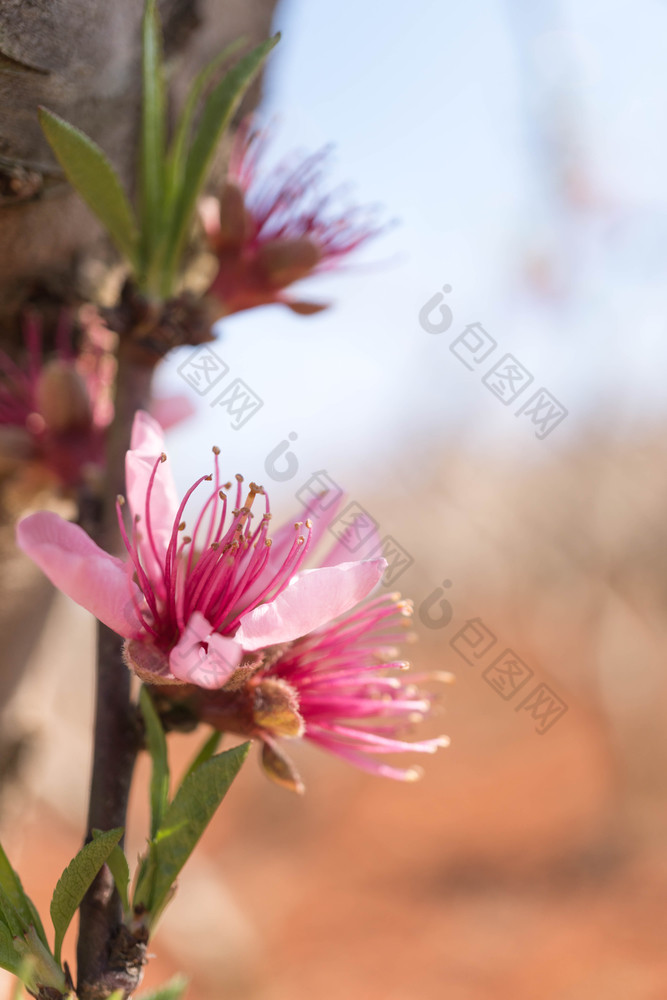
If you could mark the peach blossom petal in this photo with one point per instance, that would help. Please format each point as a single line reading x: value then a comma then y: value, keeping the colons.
x: 76, y: 565
x: 203, y: 657
x: 313, y: 598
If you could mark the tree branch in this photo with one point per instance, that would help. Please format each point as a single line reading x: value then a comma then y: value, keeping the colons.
x: 108, y: 957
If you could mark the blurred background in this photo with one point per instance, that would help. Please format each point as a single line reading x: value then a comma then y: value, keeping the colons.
x: 520, y: 147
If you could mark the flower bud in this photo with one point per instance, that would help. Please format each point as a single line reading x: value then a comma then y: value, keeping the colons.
x: 62, y: 398
x: 226, y: 219
x: 286, y: 261
x: 280, y: 768
x: 276, y: 708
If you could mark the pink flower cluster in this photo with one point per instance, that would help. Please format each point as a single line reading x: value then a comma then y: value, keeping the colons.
x: 226, y: 611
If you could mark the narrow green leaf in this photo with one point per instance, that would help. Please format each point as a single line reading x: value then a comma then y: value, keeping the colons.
x: 11, y: 916
x: 145, y: 877
x: 218, y: 110
x: 157, y: 747
x: 173, y: 990
x: 91, y: 174
x: 209, y: 747
x: 10, y: 881
x: 22, y: 904
x: 152, y: 156
x: 120, y: 870
x: 178, y: 152
x: 76, y: 880
x: 36, y: 922
x: 9, y: 958
x: 186, y: 819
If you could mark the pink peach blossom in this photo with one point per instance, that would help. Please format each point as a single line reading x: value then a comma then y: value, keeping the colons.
x: 273, y: 229
x: 190, y: 604
x: 52, y: 406
x: 336, y: 687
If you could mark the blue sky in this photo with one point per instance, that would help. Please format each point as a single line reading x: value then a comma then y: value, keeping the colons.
x: 453, y: 117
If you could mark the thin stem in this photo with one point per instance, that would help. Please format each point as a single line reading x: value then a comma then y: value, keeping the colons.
x: 106, y: 959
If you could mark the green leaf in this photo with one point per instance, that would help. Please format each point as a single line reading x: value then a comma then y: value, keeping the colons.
x: 178, y: 151
x: 157, y: 747
x: 152, y: 156
x: 76, y: 880
x: 218, y: 110
x: 39, y: 967
x: 120, y: 870
x: 10, y: 916
x: 209, y: 747
x: 186, y: 819
x: 173, y: 990
x: 9, y: 958
x: 91, y: 174
x: 22, y: 905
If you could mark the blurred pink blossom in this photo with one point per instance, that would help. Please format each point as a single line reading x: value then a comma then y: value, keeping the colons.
x: 269, y: 230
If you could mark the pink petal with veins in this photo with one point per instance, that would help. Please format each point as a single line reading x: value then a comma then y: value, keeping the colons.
x: 313, y: 598
x: 204, y: 657
x: 146, y: 447
x: 76, y: 565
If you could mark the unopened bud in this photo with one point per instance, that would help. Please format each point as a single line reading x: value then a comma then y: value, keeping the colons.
x: 280, y: 769
x: 226, y: 220
x: 285, y: 261
x: 62, y: 398
x: 276, y: 708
